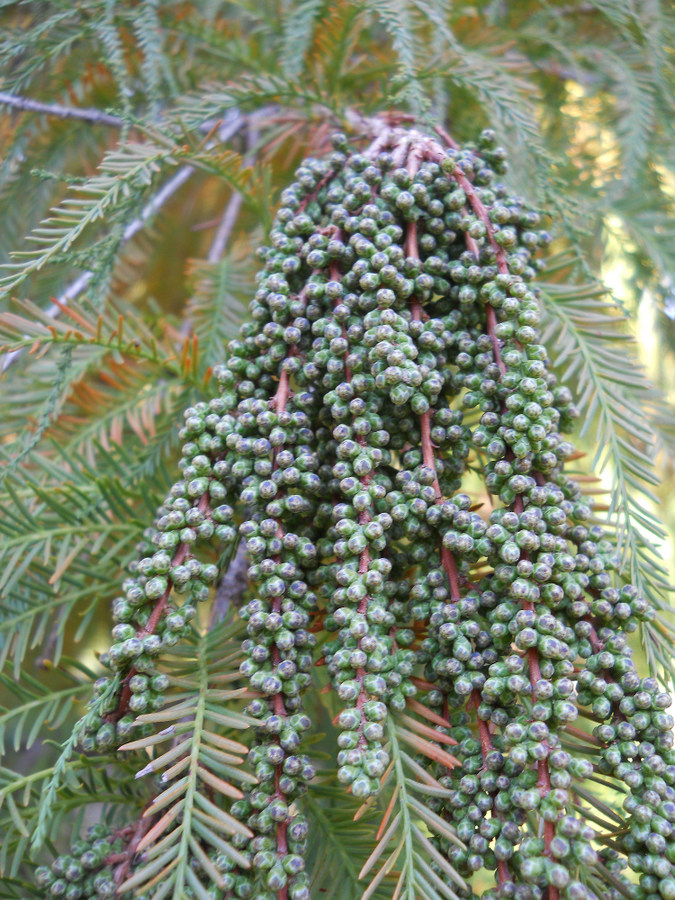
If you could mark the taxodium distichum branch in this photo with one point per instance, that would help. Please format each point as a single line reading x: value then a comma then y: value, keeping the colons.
x: 392, y: 363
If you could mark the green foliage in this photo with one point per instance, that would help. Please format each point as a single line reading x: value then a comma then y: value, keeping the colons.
x: 405, y: 845
x: 583, y: 325
x: 335, y: 876
x: 39, y: 706
x: 117, y: 303
x: 214, y: 308
x: 196, y: 760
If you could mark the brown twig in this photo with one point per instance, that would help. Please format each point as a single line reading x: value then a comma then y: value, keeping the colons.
x: 544, y: 778
x: 447, y: 557
x: 182, y: 552
x: 126, y: 858
x: 226, y: 130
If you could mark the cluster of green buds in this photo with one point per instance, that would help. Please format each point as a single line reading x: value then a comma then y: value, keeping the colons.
x: 87, y: 871
x: 392, y: 358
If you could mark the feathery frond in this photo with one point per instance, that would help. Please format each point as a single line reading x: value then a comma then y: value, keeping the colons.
x: 198, y: 763
x: 620, y: 405
x: 124, y: 177
x: 405, y: 851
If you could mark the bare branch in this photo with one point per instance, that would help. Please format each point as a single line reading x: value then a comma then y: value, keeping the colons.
x: 76, y: 287
x: 157, y: 202
x: 225, y: 227
x: 93, y: 116
x: 229, y: 219
x: 232, y: 119
x: 230, y: 125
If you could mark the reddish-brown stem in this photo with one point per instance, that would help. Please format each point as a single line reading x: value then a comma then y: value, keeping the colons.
x: 491, y: 317
x: 283, y: 390
x: 180, y: 556
x: 446, y: 137
x: 162, y: 603
x: 484, y: 735
x: 428, y: 454
x: 182, y: 552
x: 280, y: 401
x: 364, y: 518
x: 411, y: 250
x: 429, y: 459
x: 482, y: 213
x: 597, y: 646
x: 125, y: 858
x: 544, y: 778
x: 447, y: 558
x: 312, y: 196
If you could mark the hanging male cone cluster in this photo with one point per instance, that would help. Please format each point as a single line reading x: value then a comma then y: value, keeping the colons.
x: 391, y: 356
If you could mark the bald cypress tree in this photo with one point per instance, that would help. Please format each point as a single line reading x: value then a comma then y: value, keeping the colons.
x: 331, y: 566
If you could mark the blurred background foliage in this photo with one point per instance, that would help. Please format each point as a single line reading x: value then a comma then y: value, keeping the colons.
x: 143, y: 146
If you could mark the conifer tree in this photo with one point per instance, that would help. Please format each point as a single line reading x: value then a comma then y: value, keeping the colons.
x: 305, y: 590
